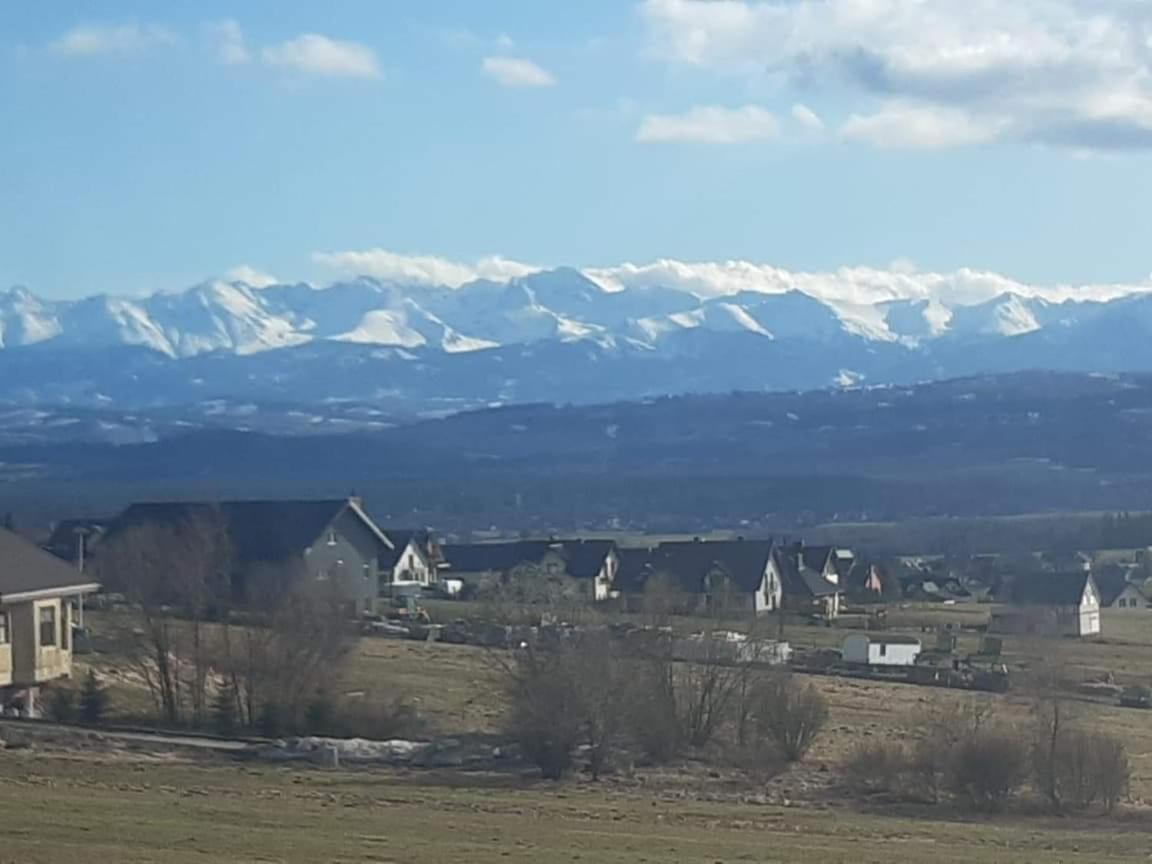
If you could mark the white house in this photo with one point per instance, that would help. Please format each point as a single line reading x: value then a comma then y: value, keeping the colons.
x: 1051, y: 604
x: 411, y: 561
x: 880, y: 649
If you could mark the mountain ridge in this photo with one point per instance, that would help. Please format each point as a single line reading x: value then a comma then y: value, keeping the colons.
x: 419, y: 349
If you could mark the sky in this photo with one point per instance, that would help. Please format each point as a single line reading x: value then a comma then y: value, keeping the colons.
x: 148, y: 146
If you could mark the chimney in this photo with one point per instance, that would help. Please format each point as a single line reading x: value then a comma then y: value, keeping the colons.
x: 355, y: 500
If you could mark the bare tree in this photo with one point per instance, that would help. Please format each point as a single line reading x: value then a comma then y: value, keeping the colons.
x: 170, y: 570
x: 792, y: 715
x: 293, y: 640
x: 705, y: 688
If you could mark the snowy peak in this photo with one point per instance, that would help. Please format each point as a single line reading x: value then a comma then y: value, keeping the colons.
x: 849, y: 310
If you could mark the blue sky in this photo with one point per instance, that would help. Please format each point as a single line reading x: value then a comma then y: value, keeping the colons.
x: 147, y: 146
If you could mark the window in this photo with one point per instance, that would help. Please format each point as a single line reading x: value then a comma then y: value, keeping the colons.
x: 47, y: 626
x: 4, y: 628
x: 331, y: 538
x: 883, y: 649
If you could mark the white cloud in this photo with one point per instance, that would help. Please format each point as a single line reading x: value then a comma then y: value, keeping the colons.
x: 849, y: 287
x: 228, y: 38
x: 912, y: 127
x: 1062, y: 72
x: 95, y: 39
x: 709, y: 124
x: 517, y: 72
x: 251, y: 276
x: 422, y: 269
x: 807, y: 118
x: 313, y: 54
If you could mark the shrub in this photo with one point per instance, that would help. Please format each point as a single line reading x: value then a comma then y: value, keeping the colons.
x: 272, y: 721
x: 791, y: 715
x: 652, y: 714
x: 319, y: 716
x: 543, y: 710
x: 60, y: 706
x: 985, y: 769
x: 924, y: 774
x: 1075, y: 769
x: 93, y: 700
x: 760, y: 761
x: 1111, y: 769
x: 876, y: 766
x: 397, y: 718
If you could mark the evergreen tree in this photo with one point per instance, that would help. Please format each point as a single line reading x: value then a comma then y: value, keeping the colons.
x: 93, y: 700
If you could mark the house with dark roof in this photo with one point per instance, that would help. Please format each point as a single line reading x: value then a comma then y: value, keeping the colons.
x: 864, y: 582
x: 36, y: 593
x: 717, y: 575
x: 1050, y: 604
x: 805, y: 590
x: 1119, y: 591
x: 275, y: 545
x: 590, y: 565
x: 757, y: 576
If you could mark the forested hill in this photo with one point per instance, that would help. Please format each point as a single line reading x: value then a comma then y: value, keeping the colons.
x: 1026, y: 442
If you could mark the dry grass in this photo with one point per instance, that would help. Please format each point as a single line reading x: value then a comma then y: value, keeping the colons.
x: 104, y: 809
x: 59, y: 809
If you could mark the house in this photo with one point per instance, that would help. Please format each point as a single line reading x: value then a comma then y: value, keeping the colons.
x: 1130, y: 595
x: 880, y: 649
x: 36, y: 590
x: 276, y: 545
x: 805, y: 590
x: 757, y: 576
x: 718, y: 575
x: 864, y: 582
x: 412, y: 562
x: 1050, y: 604
x: 591, y: 565
x: 819, y: 559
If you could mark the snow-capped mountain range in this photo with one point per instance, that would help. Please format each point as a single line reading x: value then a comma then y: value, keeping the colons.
x: 415, y: 345
x: 608, y: 307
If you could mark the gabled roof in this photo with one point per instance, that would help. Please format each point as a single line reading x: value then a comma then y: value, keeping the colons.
x: 860, y: 573
x: 260, y: 531
x: 689, y: 562
x: 799, y: 582
x: 26, y: 569
x: 816, y: 557
x: 1050, y: 589
x: 583, y: 559
x: 400, y: 539
x: 1111, y: 591
x: 635, y: 568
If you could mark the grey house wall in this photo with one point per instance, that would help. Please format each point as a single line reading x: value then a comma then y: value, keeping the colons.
x: 349, y: 559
